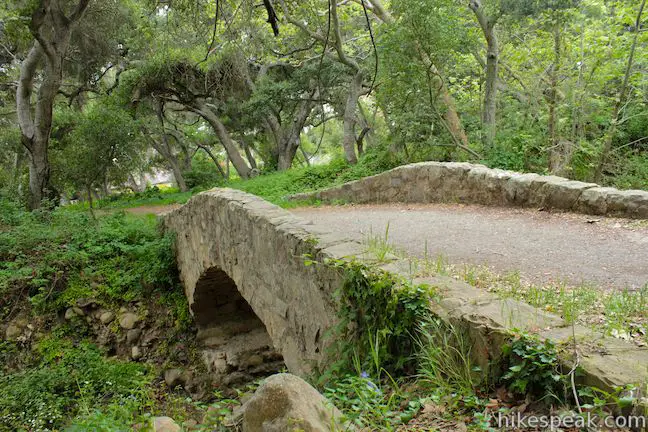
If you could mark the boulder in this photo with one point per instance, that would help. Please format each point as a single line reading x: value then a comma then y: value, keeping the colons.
x: 107, y: 317
x: 165, y: 424
x: 12, y: 332
x: 285, y: 402
x: 128, y: 321
x: 174, y: 378
x: 133, y: 336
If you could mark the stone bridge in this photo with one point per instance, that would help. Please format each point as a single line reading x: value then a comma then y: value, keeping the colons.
x: 242, y: 263
x: 247, y: 269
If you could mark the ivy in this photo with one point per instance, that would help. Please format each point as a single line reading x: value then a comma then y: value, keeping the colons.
x: 378, y: 318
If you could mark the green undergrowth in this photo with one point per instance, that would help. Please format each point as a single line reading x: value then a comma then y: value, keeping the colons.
x: 273, y: 186
x: 151, y: 196
x: 66, y: 386
x: 277, y: 186
x: 619, y: 313
x: 55, y: 258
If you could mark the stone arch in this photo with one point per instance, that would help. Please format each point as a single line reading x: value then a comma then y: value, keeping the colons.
x: 236, y: 343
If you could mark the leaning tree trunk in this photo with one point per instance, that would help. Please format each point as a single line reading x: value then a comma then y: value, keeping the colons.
x: 242, y: 168
x: 349, y: 139
x: 177, y: 174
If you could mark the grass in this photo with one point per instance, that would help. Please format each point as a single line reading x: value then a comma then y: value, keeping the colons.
x: 619, y: 313
x: 273, y: 186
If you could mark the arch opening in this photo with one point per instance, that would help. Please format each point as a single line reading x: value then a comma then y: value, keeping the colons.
x: 236, y: 345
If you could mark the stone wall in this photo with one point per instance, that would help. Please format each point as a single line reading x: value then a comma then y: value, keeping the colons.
x: 227, y: 240
x: 429, y: 182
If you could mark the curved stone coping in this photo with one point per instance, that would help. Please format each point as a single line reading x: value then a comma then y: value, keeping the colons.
x: 429, y: 182
x: 261, y: 247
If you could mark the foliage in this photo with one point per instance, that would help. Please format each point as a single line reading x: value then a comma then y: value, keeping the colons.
x: 102, y: 147
x: 275, y: 187
x: 378, y: 318
x: 532, y: 366
x: 444, y: 358
x: 45, y: 397
x: 56, y: 258
x: 368, y: 404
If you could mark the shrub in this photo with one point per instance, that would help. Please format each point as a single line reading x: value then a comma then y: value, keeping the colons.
x: 45, y: 397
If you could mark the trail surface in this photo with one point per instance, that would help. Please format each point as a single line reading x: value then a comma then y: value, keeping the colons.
x: 542, y: 246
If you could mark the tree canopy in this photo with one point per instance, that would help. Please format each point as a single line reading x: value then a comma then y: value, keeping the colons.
x: 94, y: 95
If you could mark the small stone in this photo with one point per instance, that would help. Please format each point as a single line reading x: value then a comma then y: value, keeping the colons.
x: 173, y: 377
x: 252, y: 361
x: 85, y: 302
x: 12, y: 332
x: 165, y: 424
x: 133, y: 335
x: 78, y: 311
x: 107, y: 317
x: 128, y: 320
x: 136, y: 353
x: 69, y: 314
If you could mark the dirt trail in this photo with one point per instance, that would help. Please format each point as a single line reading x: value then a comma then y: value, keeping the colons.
x: 544, y: 247
x: 152, y: 209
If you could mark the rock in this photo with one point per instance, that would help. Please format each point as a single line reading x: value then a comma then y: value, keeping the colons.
x: 78, y: 311
x: 252, y: 361
x: 237, y: 378
x: 107, y: 317
x: 133, y: 335
x: 128, y: 321
x: 174, y: 378
x: 136, y: 352
x: 85, y: 302
x: 12, y: 332
x: 165, y: 424
x: 69, y: 314
x: 285, y: 402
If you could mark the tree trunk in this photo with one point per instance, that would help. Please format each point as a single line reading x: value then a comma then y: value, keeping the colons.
x: 166, y: 151
x: 177, y: 174
x: 287, y: 152
x: 214, y: 159
x: 18, y: 168
x: 39, y: 174
x: 616, y: 113
x: 35, y: 122
x: 552, y: 100
x: 349, y: 139
x: 231, y: 149
x: 492, y: 64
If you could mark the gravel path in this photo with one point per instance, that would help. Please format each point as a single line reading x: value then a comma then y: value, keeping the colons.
x: 544, y: 247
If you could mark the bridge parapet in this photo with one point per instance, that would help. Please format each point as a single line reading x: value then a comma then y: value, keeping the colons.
x: 455, y: 182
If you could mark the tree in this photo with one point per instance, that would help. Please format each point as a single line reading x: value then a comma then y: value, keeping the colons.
x: 52, y: 29
x: 487, y: 24
x: 621, y: 98
x: 100, y: 149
